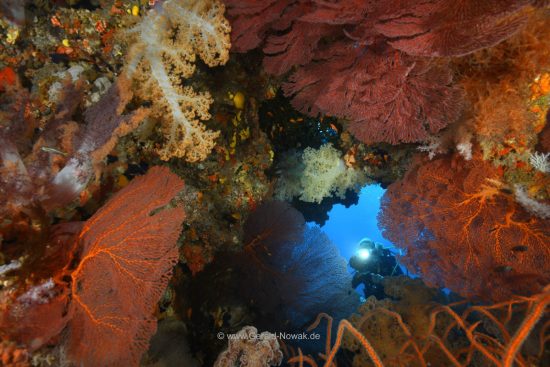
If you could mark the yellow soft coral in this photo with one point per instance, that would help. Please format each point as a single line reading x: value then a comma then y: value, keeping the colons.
x: 162, y: 55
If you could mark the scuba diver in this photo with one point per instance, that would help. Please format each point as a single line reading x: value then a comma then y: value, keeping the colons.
x: 372, y: 262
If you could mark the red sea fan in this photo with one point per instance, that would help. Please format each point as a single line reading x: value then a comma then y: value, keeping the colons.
x: 126, y: 262
x: 448, y: 27
x: 348, y: 63
x: 251, y: 20
x: 462, y: 229
x: 387, y: 95
x: 295, y: 47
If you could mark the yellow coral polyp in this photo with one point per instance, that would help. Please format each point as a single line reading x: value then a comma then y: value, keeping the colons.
x: 239, y: 100
x: 244, y: 133
x: 13, y: 34
x: 237, y: 119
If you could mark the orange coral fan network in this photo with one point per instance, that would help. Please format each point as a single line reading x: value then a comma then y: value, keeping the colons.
x: 124, y: 255
x: 462, y: 229
x: 127, y: 260
x: 417, y: 349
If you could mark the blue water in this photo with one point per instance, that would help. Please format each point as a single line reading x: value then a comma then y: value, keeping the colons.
x: 347, y: 226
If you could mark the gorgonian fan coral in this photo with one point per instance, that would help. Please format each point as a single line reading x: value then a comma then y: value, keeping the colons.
x: 463, y: 229
x: 161, y: 58
x: 448, y: 28
x: 302, y: 267
x: 124, y: 256
x: 359, y: 59
x: 388, y: 96
x: 126, y: 260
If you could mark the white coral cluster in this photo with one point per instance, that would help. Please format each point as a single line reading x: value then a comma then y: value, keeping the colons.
x: 540, y: 161
x: 432, y: 146
x: 534, y: 207
x: 161, y: 57
x: 321, y: 173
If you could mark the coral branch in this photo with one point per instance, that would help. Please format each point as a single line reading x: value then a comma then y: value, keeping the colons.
x: 434, y: 345
x: 537, y: 311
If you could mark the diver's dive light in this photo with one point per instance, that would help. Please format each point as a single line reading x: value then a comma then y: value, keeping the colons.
x: 363, y: 254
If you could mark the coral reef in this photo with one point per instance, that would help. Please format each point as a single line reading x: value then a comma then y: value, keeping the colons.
x: 107, y: 107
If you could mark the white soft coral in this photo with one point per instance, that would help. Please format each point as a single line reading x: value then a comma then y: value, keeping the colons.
x: 540, y: 161
x: 162, y: 56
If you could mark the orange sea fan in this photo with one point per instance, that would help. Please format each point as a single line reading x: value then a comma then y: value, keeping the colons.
x: 462, y: 229
x: 113, y: 276
x: 126, y: 263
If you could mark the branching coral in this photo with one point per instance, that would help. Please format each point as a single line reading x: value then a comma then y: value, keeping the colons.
x: 462, y: 229
x: 540, y: 161
x: 161, y: 57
